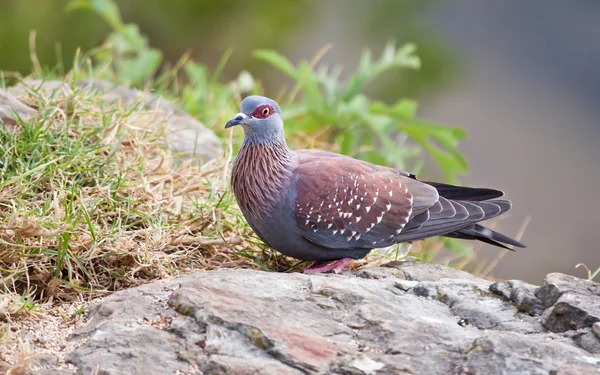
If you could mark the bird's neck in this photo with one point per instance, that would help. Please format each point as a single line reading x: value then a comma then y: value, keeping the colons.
x: 260, y: 172
x: 264, y: 137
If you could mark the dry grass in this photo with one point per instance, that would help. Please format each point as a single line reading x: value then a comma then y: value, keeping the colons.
x: 91, y: 201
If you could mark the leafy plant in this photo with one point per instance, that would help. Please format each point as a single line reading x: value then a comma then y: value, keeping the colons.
x: 125, y: 56
x: 371, y: 130
x: 204, y: 96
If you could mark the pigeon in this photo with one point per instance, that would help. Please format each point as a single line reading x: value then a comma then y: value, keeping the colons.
x: 333, y: 209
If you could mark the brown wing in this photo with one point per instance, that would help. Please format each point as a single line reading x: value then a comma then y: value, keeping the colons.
x: 346, y: 203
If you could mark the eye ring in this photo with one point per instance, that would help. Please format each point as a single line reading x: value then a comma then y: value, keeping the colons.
x: 265, y: 111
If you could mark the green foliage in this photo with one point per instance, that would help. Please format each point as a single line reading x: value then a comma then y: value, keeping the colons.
x: 91, y: 195
x: 362, y: 127
x: 205, y: 97
x: 125, y: 57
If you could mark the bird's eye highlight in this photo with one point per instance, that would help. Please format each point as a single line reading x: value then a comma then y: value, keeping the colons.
x: 265, y: 111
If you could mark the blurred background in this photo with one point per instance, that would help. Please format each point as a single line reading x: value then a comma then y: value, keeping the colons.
x: 521, y: 77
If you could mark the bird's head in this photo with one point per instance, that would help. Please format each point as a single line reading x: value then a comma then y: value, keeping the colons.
x: 261, y: 119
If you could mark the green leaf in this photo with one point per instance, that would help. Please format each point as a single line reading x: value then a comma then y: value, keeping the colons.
x: 313, y: 95
x: 141, y: 69
x: 107, y: 9
x: 347, y: 141
x: 196, y: 73
x: 221, y: 66
x: 278, y: 61
x: 368, y: 69
x: 404, y: 109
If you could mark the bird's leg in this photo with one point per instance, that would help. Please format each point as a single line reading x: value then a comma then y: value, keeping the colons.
x: 336, y: 266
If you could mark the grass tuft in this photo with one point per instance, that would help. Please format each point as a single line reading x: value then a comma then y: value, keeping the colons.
x: 92, y: 201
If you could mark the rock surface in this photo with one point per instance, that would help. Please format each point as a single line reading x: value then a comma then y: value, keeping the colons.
x: 12, y: 110
x: 185, y: 134
x: 403, y: 318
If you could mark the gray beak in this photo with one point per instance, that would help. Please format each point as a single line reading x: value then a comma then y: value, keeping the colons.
x: 236, y: 120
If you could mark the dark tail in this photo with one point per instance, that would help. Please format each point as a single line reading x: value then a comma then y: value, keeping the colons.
x: 484, y: 234
x: 457, y: 214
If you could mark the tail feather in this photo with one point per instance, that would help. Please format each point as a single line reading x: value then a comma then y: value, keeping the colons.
x: 456, y: 215
x: 462, y: 193
x: 484, y: 234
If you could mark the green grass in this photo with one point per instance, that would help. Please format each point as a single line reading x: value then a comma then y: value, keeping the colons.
x: 90, y: 202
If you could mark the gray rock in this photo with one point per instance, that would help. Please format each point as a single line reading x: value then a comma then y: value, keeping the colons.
x: 130, y: 350
x: 54, y: 371
x: 28, y: 87
x: 571, y: 303
x: 521, y: 294
x: 185, y: 135
x: 417, y: 271
x: 44, y: 361
x: 254, y: 322
x: 12, y: 110
x: 511, y: 353
x: 472, y: 301
x: 586, y: 339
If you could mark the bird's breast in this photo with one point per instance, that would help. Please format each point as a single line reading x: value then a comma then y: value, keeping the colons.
x: 259, y: 179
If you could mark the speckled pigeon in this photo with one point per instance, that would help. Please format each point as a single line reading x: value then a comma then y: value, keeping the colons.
x: 333, y: 209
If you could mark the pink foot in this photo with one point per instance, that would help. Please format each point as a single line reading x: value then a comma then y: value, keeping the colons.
x: 336, y: 266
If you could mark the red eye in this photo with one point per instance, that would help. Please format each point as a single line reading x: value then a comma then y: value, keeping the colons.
x: 263, y: 111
